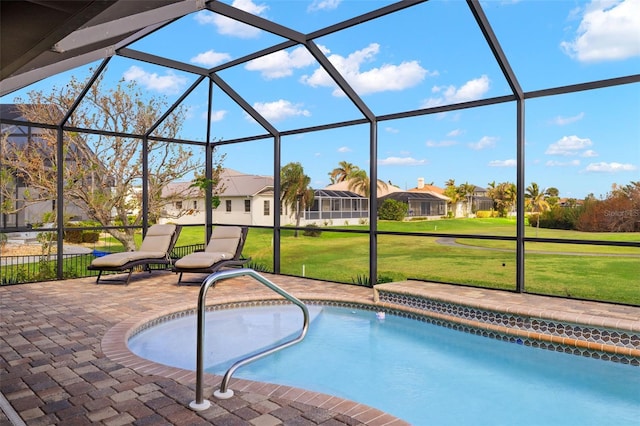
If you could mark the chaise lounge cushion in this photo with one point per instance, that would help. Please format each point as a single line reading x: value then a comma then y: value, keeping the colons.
x: 225, y: 240
x: 119, y: 259
x: 155, y: 245
x: 202, y: 260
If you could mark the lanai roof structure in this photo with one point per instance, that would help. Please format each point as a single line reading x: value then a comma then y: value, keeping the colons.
x: 48, y: 39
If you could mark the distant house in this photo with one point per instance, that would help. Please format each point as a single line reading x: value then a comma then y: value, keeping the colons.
x: 421, y: 204
x: 248, y: 200
x: 481, y: 200
x: 331, y: 205
x: 426, y: 201
x: 245, y: 200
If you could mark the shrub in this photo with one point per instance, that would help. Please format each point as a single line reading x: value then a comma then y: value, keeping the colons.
x: 392, y: 210
x: 73, y: 236
x: 90, y: 237
x: 556, y: 218
x: 483, y: 214
x: 313, y: 232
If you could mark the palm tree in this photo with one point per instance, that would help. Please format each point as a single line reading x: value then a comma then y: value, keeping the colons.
x: 295, y: 192
x: 466, y: 190
x: 360, y: 183
x: 534, y: 200
x: 451, y: 191
x: 343, y: 171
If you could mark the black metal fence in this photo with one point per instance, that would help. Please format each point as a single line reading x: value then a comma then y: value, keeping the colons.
x: 29, y: 269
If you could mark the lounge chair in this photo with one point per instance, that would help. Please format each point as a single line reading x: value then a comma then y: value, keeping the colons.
x: 224, y: 250
x: 155, y: 249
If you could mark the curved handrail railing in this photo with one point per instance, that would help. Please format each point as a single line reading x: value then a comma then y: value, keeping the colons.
x: 200, y: 403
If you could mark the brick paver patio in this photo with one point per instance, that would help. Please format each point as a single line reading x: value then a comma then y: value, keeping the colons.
x: 64, y: 360
x: 54, y: 370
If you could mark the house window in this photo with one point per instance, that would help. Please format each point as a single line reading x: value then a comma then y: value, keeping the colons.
x: 247, y: 206
x: 228, y: 205
x: 179, y: 205
x: 267, y: 209
x: 195, y: 204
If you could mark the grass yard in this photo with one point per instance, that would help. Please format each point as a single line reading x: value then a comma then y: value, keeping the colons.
x: 592, y: 272
x: 582, y: 271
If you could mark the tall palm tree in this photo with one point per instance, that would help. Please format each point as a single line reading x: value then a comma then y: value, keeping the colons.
x: 360, y: 183
x: 451, y: 191
x: 534, y: 200
x: 343, y: 171
x: 295, y: 192
x: 466, y: 190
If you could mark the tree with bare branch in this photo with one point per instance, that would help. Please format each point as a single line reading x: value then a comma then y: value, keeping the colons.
x: 103, y: 171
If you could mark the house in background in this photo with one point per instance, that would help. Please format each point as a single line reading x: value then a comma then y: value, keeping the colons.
x: 248, y: 200
x: 481, y: 200
x: 337, y: 207
x: 245, y: 200
x: 429, y: 201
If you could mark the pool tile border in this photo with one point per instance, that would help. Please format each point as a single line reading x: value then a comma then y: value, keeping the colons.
x: 589, y: 340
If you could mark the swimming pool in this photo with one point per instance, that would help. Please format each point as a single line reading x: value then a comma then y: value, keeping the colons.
x: 422, y: 373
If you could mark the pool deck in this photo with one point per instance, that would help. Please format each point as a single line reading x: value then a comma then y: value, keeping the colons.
x: 63, y: 355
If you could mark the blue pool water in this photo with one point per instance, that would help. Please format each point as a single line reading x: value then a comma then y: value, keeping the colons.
x: 425, y: 374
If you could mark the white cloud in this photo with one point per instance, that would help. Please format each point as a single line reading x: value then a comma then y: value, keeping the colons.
x: 391, y: 130
x: 470, y: 91
x: 568, y: 145
x: 218, y: 115
x: 438, y: 144
x: 344, y: 149
x: 387, y: 77
x: 210, y: 58
x: 282, y: 63
x: 169, y: 83
x: 610, y: 167
x: 609, y: 31
x: 554, y: 163
x: 323, y: 5
x: 230, y: 27
x: 455, y: 132
x: 279, y: 110
x: 401, y: 161
x: 562, y: 121
x: 484, y: 142
x: 589, y: 153
x: 503, y: 163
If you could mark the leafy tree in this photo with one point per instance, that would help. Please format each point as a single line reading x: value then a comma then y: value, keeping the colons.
x: 296, y: 194
x: 618, y: 212
x: 552, y: 196
x: 504, y: 197
x: 102, y: 171
x: 391, y: 209
x: 215, y: 185
x: 360, y: 183
x: 342, y: 172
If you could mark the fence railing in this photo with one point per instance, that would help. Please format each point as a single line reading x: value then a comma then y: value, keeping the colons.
x: 36, y: 268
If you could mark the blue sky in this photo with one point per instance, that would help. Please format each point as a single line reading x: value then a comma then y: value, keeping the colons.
x: 427, y: 55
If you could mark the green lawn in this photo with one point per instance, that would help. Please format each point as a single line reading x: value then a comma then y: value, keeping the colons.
x: 587, y: 271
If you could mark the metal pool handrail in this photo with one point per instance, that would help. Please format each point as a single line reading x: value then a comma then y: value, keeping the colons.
x: 200, y: 403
